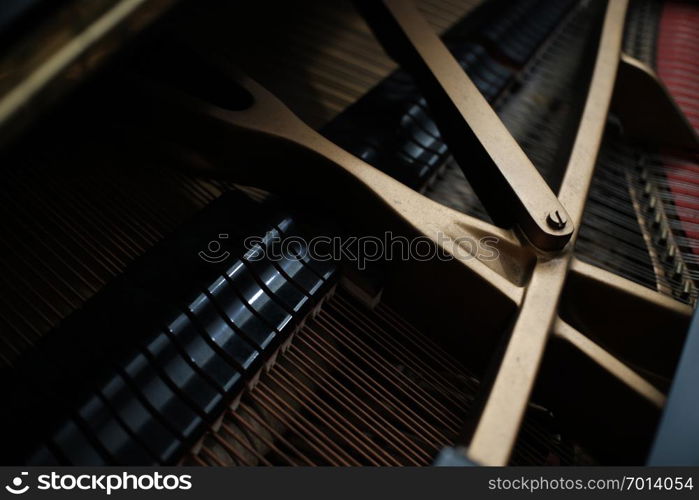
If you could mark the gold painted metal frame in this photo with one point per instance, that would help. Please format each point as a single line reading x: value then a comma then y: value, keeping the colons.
x: 660, y: 120
x: 62, y: 51
x: 280, y: 153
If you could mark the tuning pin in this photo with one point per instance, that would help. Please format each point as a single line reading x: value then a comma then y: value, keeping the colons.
x: 656, y: 220
x: 678, y: 270
x: 662, y: 237
x: 652, y: 204
x: 686, y: 288
x: 670, y: 254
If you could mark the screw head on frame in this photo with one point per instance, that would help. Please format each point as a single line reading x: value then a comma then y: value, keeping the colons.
x: 555, y: 220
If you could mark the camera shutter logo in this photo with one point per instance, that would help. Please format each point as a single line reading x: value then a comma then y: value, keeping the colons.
x: 15, y: 487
